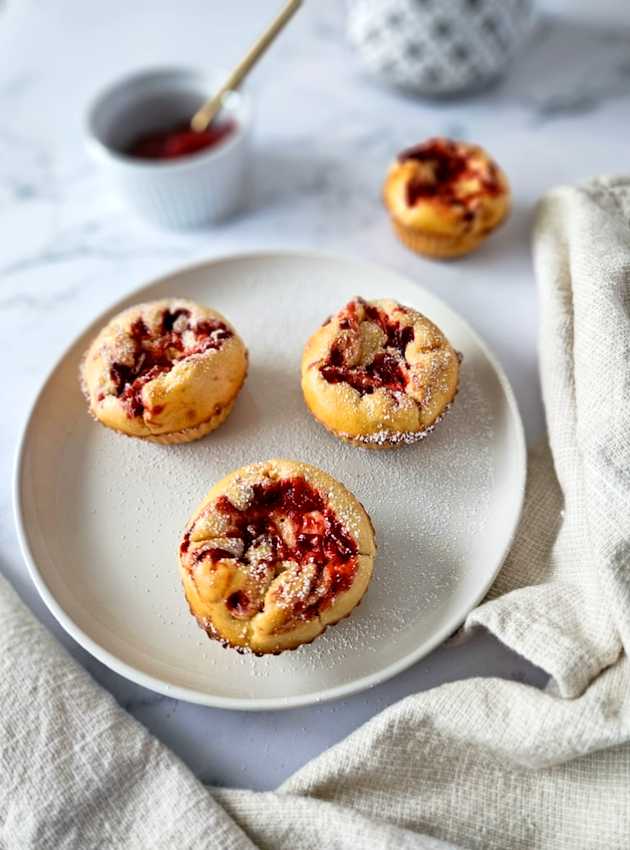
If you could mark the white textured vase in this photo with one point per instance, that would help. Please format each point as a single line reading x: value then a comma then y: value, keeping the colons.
x: 438, y: 47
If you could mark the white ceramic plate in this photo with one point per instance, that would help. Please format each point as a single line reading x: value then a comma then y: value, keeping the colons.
x: 100, y: 515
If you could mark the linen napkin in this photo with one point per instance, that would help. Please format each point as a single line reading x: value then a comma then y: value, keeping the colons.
x: 477, y: 764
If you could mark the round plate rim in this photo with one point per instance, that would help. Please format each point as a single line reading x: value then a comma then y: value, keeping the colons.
x: 153, y: 683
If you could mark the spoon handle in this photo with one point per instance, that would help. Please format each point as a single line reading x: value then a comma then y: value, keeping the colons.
x: 203, y: 117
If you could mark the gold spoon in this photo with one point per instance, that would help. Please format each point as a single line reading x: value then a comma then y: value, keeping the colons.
x: 205, y: 115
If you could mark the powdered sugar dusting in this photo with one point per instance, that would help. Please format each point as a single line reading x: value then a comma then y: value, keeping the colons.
x: 431, y: 504
x: 384, y: 439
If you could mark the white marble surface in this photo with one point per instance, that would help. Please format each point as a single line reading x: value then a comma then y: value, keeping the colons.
x: 324, y: 136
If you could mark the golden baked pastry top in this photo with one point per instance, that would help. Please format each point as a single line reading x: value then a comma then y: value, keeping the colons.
x: 379, y: 373
x: 276, y: 552
x: 446, y: 188
x: 163, y: 367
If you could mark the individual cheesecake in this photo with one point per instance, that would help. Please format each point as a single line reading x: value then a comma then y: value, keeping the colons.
x: 167, y: 371
x: 276, y: 552
x: 378, y: 374
x: 445, y: 197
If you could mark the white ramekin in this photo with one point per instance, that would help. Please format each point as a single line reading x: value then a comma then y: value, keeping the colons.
x: 181, y: 193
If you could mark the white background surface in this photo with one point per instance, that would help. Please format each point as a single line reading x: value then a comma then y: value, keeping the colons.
x: 324, y: 137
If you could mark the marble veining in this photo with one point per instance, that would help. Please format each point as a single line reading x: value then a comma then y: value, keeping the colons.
x: 324, y: 136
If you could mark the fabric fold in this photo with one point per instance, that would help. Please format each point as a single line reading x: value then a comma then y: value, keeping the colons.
x: 76, y: 771
x: 575, y: 622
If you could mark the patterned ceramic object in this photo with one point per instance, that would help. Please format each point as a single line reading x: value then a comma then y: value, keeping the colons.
x: 438, y: 47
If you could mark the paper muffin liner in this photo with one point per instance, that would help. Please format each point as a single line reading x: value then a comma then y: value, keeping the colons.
x: 212, y: 633
x: 438, y: 247
x: 196, y: 432
x: 389, y: 439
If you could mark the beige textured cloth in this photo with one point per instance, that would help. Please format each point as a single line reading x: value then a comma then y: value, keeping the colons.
x: 478, y: 764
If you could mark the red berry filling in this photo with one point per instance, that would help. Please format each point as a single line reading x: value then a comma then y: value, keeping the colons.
x: 448, y: 165
x: 240, y: 605
x: 179, y: 141
x: 387, y: 369
x: 185, y: 544
x: 315, y: 537
x: 155, y: 353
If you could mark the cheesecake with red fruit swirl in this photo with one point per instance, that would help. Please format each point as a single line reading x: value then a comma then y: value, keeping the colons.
x: 445, y: 197
x: 276, y: 552
x: 166, y: 371
x: 378, y: 374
